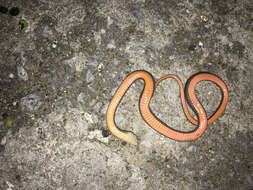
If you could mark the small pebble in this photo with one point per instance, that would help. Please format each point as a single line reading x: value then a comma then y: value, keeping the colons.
x: 3, y: 141
x: 10, y: 186
x: 172, y: 57
x: 11, y: 75
x: 192, y: 149
x: 250, y: 145
x: 22, y: 73
x: 89, y: 76
x: 111, y: 45
x: 31, y: 102
x: 105, y: 133
x: 204, y: 18
x: 100, y: 67
x: 115, y: 61
x: 137, y: 13
x: 80, y: 97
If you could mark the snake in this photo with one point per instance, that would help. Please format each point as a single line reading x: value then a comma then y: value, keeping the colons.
x: 187, y: 96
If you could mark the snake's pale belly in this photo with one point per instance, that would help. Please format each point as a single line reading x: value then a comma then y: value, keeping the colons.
x: 152, y: 120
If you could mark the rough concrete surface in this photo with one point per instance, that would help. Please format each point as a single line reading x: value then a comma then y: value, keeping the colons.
x: 58, y: 76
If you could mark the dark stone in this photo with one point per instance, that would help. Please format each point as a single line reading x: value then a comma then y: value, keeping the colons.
x: 3, y: 10
x: 2, y: 148
x: 5, y: 115
x: 14, y: 11
x: 18, y: 177
x: 192, y: 47
x: 105, y: 133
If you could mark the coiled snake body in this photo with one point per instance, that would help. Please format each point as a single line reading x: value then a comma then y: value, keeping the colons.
x: 187, y: 95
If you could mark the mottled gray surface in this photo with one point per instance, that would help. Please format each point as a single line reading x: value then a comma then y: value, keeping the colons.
x: 57, y: 78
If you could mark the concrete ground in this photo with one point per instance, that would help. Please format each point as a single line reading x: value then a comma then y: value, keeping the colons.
x: 58, y: 75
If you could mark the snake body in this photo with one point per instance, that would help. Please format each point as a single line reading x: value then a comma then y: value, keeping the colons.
x: 187, y: 95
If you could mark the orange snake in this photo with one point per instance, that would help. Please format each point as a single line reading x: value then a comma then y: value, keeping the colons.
x: 152, y: 120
